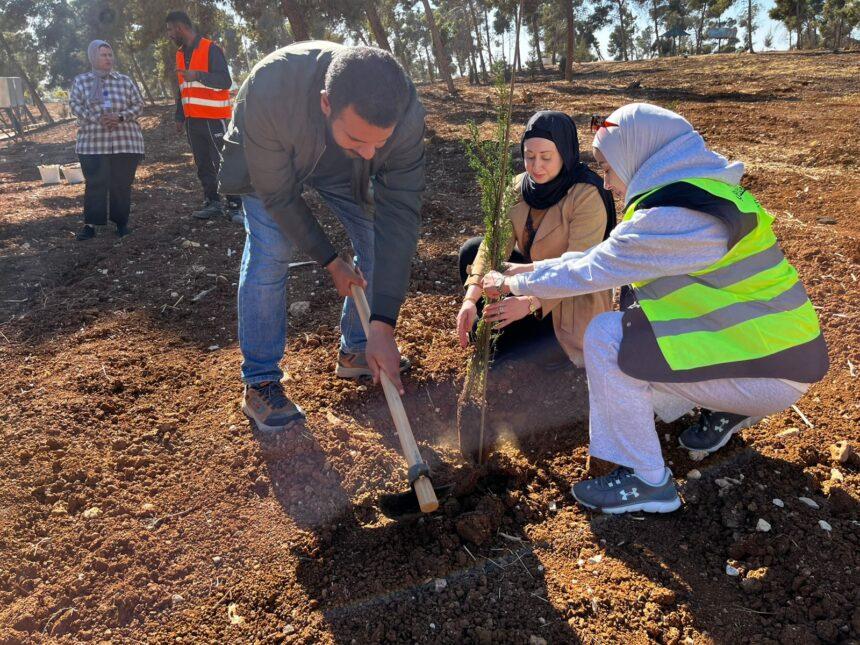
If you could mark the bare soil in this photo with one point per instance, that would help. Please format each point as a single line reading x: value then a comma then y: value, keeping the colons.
x: 121, y: 393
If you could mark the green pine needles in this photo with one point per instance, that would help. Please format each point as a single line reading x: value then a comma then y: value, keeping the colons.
x: 491, y: 161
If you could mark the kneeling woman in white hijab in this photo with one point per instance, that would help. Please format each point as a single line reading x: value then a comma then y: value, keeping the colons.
x: 714, y: 315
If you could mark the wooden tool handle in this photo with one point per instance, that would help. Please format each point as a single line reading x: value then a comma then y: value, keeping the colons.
x: 423, y: 487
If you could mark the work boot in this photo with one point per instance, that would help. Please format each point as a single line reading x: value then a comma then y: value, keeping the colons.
x: 354, y: 366
x: 211, y: 208
x: 86, y: 233
x: 622, y: 491
x: 713, y: 430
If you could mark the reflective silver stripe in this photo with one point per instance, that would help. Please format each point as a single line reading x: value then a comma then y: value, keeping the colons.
x: 734, y: 314
x: 719, y: 279
x: 188, y: 84
x: 205, y: 102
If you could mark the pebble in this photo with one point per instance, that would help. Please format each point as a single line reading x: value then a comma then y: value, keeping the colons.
x: 841, y: 451
x: 762, y: 526
x: 92, y: 513
x: 440, y: 584
x: 835, y: 475
x: 536, y: 640
x: 778, y: 502
x: 811, y: 503
x: 175, y: 599
x: 694, y: 474
x: 553, y: 506
x: 289, y: 629
x: 187, y: 244
x: 595, y: 559
x: 722, y: 483
x: 697, y: 455
x: 216, y: 560
x: 59, y: 508
x: 731, y: 571
x: 300, y: 308
x: 788, y: 432
x: 826, y: 526
x: 212, y: 348
x: 148, y: 507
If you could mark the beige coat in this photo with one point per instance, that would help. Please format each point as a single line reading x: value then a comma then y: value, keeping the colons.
x: 576, y: 223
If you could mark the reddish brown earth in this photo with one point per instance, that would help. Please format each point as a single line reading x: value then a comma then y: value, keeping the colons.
x: 116, y: 397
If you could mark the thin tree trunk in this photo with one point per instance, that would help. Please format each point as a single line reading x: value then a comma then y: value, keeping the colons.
x: 441, y: 56
x: 359, y: 37
x: 536, y: 30
x: 429, y: 64
x: 34, y: 93
x: 623, y: 34
x: 656, y: 26
x: 400, y: 50
x: 140, y: 75
x: 480, y: 45
x: 376, y: 27
x: 750, y: 26
x: 489, y: 40
x: 298, y: 24
x: 571, y: 39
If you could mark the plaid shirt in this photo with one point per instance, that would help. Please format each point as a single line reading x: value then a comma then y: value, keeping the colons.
x: 125, y: 100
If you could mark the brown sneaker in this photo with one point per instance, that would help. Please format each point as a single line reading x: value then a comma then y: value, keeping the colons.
x: 355, y: 365
x: 269, y: 408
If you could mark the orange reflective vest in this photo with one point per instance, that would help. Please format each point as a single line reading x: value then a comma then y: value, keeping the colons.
x: 199, y: 101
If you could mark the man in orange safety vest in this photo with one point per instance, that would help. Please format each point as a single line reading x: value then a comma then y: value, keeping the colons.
x: 203, y: 109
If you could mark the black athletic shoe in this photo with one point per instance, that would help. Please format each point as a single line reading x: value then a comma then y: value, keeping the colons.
x: 86, y: 233
x: 713, y: 430
x: 122, y: 230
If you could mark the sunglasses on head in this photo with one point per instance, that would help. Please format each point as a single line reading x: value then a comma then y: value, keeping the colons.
x: 598, y: 122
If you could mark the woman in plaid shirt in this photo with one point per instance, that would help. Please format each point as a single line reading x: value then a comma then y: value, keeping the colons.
x: 110, y: 142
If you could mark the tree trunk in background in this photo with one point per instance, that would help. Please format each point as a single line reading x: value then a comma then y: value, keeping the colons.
x: 140, y: 75
x: 489, y: 41
x: 536, y: 30
x: 750, y: 26
x: 429, y: 65
x: 656, y: 27
x: 480, y: 46
x: 376, y: 27
x: 34, y: 93
x: 298, y: 25
x: 571, y: 43
x: 623, y: 34
x: 439, y: 47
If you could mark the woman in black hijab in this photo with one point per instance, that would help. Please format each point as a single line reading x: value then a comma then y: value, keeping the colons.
x: 563, y: 208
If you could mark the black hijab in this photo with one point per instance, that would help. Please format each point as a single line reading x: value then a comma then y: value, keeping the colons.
x: 559, y: 128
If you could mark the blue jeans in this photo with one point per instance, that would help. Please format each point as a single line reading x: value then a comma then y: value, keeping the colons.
x: 263, y: 284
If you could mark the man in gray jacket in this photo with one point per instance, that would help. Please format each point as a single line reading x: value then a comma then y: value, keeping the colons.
x: 347, y: 122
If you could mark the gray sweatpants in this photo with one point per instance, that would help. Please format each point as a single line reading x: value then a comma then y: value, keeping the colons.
x: 622, y: 408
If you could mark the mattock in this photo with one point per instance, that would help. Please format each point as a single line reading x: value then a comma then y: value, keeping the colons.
x: 423, y: 496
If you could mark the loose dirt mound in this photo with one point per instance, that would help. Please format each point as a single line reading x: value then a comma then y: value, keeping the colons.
x: 135, y: 506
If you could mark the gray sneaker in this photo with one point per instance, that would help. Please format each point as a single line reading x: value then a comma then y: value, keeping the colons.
x: 269, y: 408
x: 355, y: 365
x: 210, y: 209
x: 713, y: 430
x: 622, y: 491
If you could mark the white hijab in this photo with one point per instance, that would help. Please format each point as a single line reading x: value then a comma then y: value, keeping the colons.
x: 648, y: 146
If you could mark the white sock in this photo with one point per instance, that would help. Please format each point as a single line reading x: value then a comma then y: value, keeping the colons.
x: 651, y: 476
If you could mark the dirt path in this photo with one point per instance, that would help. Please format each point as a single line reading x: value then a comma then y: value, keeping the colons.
x: 135, y: 506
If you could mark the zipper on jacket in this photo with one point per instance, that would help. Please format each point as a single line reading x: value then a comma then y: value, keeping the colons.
x: 314, y: 167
